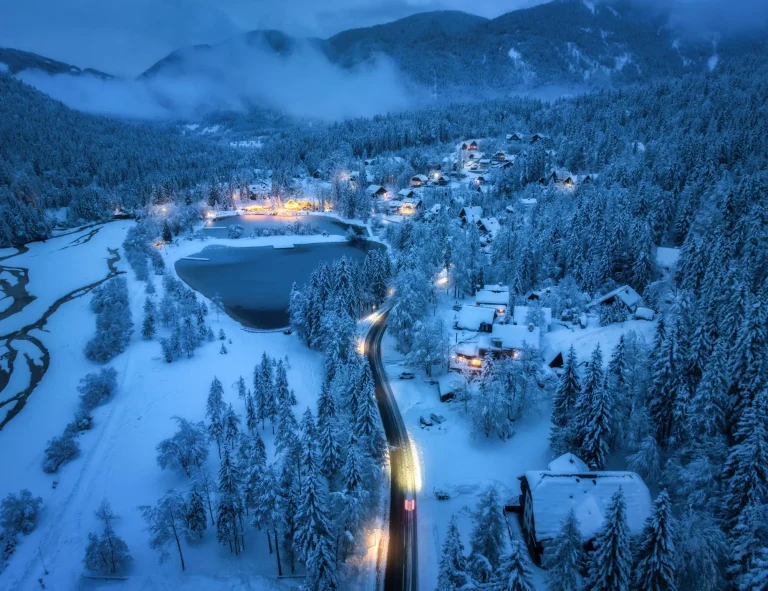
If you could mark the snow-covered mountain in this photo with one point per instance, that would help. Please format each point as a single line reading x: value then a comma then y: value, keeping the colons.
x: 562, y: 42
x: 16, y: 61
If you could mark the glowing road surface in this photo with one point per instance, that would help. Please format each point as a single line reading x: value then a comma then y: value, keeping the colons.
x: 401, y: 570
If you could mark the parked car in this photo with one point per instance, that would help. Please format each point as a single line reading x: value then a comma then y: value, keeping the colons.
x: 406, y: 375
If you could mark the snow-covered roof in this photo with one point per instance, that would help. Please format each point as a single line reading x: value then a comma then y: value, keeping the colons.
x: 589, y: 494
x: 405, y: 192
x: 450, y: 382
x: 471, y: 317
x: 549, y: 354
x: 471, y: 214
x: 568, y: 464
x: 496, y: 298
x: 495, y: 287
x: 373, y: 189
x: 420, y: 177
x: 644, y: 313
x: 490, y: 225
x: 516, y: 337
x: 628, y: 296
x: 528, y: 200
x: 436, y: 208
x: 520, y: 315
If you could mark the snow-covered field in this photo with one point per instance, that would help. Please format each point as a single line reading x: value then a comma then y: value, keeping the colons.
x: 118, y: 455
x: 449, y: 458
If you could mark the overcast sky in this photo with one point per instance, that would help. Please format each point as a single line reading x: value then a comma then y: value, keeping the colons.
x: 125, y: 37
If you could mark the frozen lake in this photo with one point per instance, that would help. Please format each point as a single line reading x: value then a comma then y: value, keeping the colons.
x: 255, y: 283
x: 263, y: 222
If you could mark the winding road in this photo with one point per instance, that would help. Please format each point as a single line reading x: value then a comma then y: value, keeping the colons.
x: 401, y: 572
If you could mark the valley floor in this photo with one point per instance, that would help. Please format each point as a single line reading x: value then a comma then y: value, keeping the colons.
x: 117, y: 460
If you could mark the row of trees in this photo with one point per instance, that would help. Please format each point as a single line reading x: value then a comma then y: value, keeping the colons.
x: 336, y: 296
x: 311, y: 500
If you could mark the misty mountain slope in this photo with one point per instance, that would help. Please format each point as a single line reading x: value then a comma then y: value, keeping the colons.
x: 562, y: 42
x: 52, y: 156
x: 18, y: 61
x: 191, y: 59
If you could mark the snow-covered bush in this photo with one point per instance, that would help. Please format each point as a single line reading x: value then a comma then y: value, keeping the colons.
x: 187, y: 449
x: 96, y: 388
x: 18, y: 514
x: 235, y: 231
x: 113, y: 321
x: 106, y: 553
x: 60, y: 450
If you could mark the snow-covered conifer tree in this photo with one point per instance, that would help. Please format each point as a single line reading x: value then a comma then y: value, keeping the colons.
x: 596, y: 432
x: 514, y: 572
x: 566, y: 561
x: 231, y: 424
x: 610, y: 564
x: 149, y: 325
x: 214, y: 412
x: 453, y: 571
x: 489, y: 531
x: 311, y: 515
x: 229, y: 506
x: 196, y: 519
x: 267, y: 511
x: 655, y: 555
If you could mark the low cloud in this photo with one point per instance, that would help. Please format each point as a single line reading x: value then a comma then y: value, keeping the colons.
x: 236, y: 77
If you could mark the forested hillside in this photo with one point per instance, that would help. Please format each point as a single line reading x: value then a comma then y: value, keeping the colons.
x: 52, y: 156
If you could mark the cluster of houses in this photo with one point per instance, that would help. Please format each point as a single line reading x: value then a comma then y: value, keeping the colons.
x: 487, y: 327
x: 547, y: 496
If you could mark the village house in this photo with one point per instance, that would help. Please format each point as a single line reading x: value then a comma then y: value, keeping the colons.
x: 552, y: 357
x: 406, y: 193
x: 419, y: 180
x: 514, y: 137
x: 442, y: 180
x: 508, y: 340
x: 539, y: 137
x: 496, y: 287
x: 489, y: 226
x: 624, y: 294
x: 471, y: 214
x: 409, y: 206
x: 393, y: 206
x: 498, y: 300
x: 475, y: 318
x: 466, y: 356
x: 377, y: 191
x: 499, y: 157
x: 480, y: 180
x: 547, y: 496
x: 472, y: 145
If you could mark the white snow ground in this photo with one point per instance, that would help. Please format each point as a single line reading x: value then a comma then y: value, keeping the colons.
x: 117, y: 460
